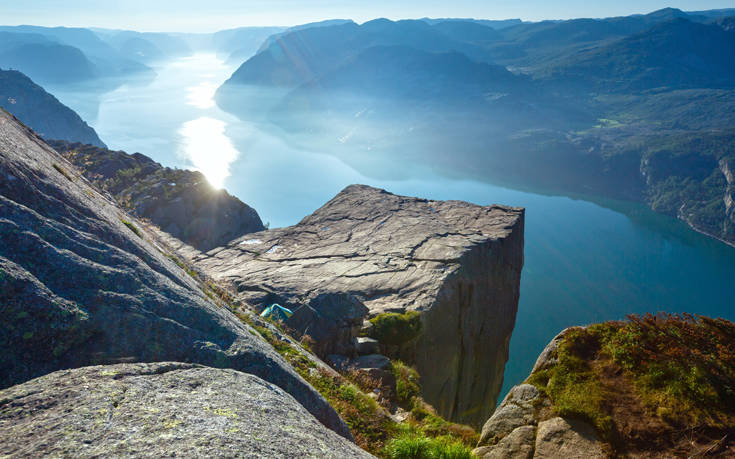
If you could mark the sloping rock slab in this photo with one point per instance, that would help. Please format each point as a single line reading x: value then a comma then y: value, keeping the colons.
x: 80, y: 287
x: 457, y: 263
x: 160, y: 410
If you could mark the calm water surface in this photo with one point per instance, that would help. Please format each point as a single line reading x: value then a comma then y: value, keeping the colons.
x: 584, y: 262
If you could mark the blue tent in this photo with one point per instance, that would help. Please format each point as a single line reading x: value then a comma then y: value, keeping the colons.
x: 276, y: 312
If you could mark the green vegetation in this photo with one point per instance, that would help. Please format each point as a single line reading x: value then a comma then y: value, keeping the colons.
x: 407, y: 382
x: 680, y: 368
x: 683, y: 366
x: 62, y: 171
x: 369, y: 422
x: 395, y: 329
x: 132, y: 227
x: 409, y: 445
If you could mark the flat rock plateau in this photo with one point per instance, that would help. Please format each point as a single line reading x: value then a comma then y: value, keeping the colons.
x: 457, y: 264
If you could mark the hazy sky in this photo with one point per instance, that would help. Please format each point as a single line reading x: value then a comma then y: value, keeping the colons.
x: 211, y: 15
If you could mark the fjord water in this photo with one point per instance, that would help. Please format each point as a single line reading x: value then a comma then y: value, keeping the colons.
x: 584, y: 262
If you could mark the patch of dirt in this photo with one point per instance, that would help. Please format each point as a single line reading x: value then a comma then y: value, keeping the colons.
x: 640, y: 433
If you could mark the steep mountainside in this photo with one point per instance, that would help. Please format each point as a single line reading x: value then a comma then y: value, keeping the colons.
x: 41, y: 111
x: 297, y: 57
x: 180, y: 202
x: 655, y: 386
x: 82, y: 284
x: 368, y: 252
x: 678, y: 54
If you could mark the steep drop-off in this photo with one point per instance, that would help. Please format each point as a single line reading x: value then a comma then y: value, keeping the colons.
x: 82, y: 284
x: 457, y: 264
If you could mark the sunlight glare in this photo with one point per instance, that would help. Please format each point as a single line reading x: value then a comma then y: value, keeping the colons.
x: 201, y: 95
x: 210, y: 151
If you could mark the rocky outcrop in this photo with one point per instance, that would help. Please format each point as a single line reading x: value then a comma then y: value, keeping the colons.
x: 180, y: 202
x: 456, y: 263
x: 521, y: 427
x: 160, y: 410
x: 41, y: 111
x: 81, y: 284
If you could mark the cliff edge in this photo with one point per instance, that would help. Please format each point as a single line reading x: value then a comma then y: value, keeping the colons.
x: 366, y: 253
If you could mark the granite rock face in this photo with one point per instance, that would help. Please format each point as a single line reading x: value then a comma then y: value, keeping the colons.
x: 160, y: 410
x: 456, y: 263
x: 180, y: 202
x: 81, y: 284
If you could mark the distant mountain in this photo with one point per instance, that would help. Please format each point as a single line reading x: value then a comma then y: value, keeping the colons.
x: 404, y: 72
x: 239, y: 44
x: 300, y: 56
x: 48, y: 62
x: 41, y: 111
x: 144, y: 47
x: 534, y: 46
x: 678, y: 54
x: 468, y: 31
x: 104, y: 60
x: 495, y: 24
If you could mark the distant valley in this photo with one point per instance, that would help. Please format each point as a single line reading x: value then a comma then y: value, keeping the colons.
x: 637, y: 108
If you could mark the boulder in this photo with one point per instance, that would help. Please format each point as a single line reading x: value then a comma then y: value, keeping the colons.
x: 365, y: 346
x: 160, y: 410
x: 568, y: 438
x: 519, y: 444
x: 81, y: 283
x: 332, y: 320
x: 517, y: 410
x: 456, y: 263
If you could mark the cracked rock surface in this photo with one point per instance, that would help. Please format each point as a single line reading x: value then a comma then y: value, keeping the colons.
x: 457, y: 263
x: 160, y: 410
x: 81, y: 284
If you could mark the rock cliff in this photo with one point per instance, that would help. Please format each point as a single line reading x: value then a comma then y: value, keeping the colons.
x: 180, y: 202
x: 457, y: 264
x: 82, y: 284
x: 160, y: 410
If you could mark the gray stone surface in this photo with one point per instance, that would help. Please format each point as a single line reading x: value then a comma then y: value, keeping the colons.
x: 519, y: 444
x: 331, y: 320
x: 548, y: 357
x: 365, y: 346
x: 567, y: 438
x: 457, y: 263
x: 79, y: 287
x: 160, y: 410
x: 516, y: 410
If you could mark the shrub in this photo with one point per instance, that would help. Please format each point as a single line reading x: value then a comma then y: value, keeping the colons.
x: 396, y: 329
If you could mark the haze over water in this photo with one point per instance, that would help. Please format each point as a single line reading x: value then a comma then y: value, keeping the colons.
x: 584, y: 263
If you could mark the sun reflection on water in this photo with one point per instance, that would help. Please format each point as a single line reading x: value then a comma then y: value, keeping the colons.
x: 210, y: 151
x: 201, y: 95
